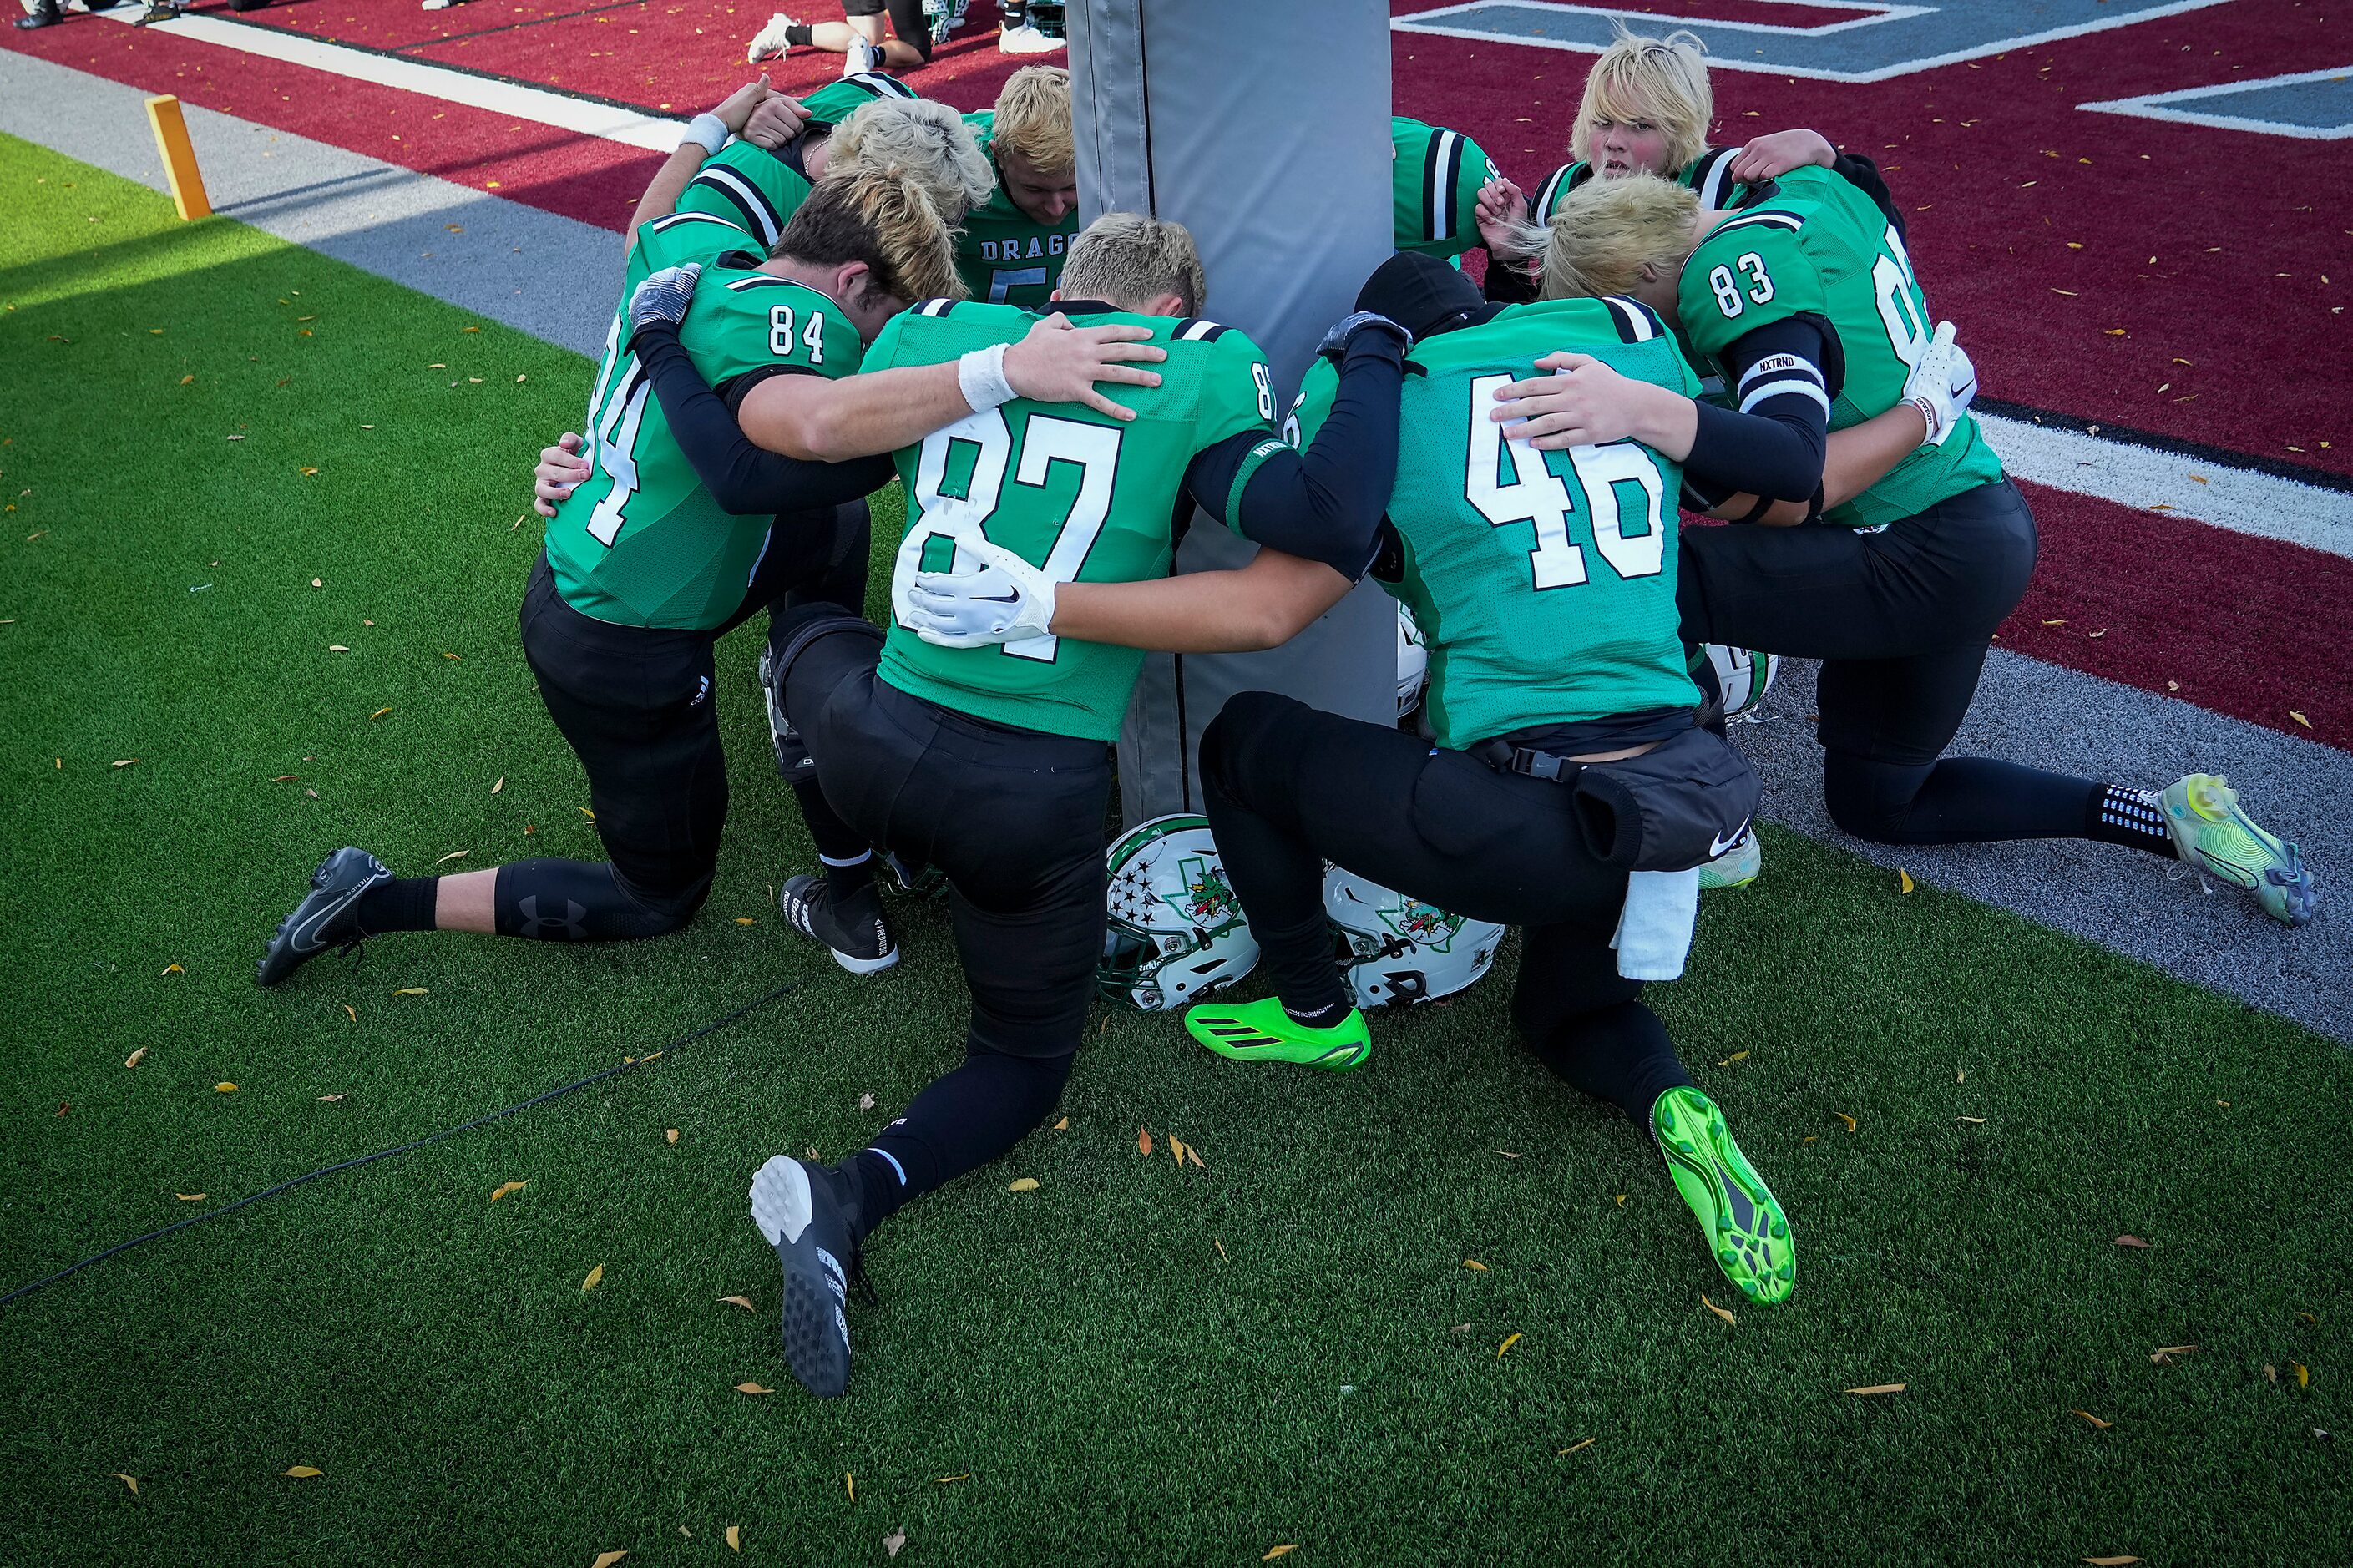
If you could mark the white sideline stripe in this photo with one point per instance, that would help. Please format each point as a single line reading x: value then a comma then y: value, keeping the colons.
x: 2244, y: 501
x: 562, y: 111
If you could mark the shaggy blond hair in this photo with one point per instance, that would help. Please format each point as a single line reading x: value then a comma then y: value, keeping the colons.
x: 1127, y: 259
x: 883, y: 217
x: 1662, y: 80
x: 1033, y: 118
x: 1606, y: 231
x: 929, y: 142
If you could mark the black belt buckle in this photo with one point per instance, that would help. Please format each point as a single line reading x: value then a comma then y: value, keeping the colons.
x: 1542, y: 765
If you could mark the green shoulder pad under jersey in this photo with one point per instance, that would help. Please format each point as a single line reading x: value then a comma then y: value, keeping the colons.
x: 749, y: 186
x: 1082, y: 497
x: 1543, y: 583
x: 1812, y: 243
x: 836, y: 101
x: 642, y: 542
x: 1710, y: 174
x: 1434, y: 181
x: 1005, y: 255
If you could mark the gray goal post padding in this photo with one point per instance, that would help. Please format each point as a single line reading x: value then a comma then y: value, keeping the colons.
x: 1264, y: 129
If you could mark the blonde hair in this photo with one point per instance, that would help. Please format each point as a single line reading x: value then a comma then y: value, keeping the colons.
x: 1033, y: 118
x: 1662, y: 80
x: 1127, y: 259
x: 928, y: 141
x: 883, y: 217
x: 1606, y: 231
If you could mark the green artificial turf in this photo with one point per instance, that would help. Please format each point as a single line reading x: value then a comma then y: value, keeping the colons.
x: 1133, y: 1363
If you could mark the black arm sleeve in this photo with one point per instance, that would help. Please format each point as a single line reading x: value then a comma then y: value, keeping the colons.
x: 1325, y: 503
x: 743, y: 478
x: 1771, y: 442
x: 1859, y: 171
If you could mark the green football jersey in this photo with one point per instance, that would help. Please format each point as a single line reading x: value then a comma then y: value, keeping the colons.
x: 642, y: 542
x: 1814, y: 244
x: 1005, y: 255
x: 1710, y: 174
x: 1434, y: 181
x: 1084, y: 497
x: 749, y: 186
x: 836, y: 101
x: 1543, y: 583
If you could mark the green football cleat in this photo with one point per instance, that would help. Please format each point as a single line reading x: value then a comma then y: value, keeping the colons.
x: 1744, y: 1226
x: 1736, y: 867
x: 1262, y: 1032
x: 2216, y: 838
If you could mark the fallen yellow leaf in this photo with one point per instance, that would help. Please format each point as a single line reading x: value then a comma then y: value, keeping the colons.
x: 743, y: 1301
x: 2095, y: 1421
x: 850, y: 1482
x: 594, y: 1275
x: 734, y: 1538
x: 1734, y: 1056
x: 1144, y: 1141
x: 607, y: 1559
x: 751, y: 1388
x: 133, y: 1059
x: 1573, y: 1447
x: 378, y: 714
x: 454, y: 854
x: 2299, y: 718
x: 171, y: 969
x: 189, y: 1197
x: 1974, y: 1121
x: 1474, y: 1263
x: 303, y: 1472
x: 1285, y: 1550
x: 1176, y: 1149
x: 1879, y: 1388
x: 2303, y: 1373
x: 959, y: 1476
x: 1509, y: 1340
x: 1622, y: 1200
x: 224, y: 1088
x: 585, y: 812
x: 1903, y: 880
x: 503, y: 1188
x: 1193, y: 1153
x: 1023, y: 1184
x: 1842, y: 1116
x: 331, y: 1098
x: 500, y: 785
x: 2111, y: 1562
x: 669, y: 1135
x: 1716, y: 1309
x: 1220, y: 1246
x: 745, y: 920
x: 410, y: 991
x: 350, y: 1012
x: 130, y: 1481
x: 1062, y: 1126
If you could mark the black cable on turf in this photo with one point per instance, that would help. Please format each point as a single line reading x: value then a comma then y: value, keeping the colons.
x: 716, y: 1024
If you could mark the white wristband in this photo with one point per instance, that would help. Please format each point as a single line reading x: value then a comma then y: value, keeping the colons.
x: 709, y: 131
x: 981, y: 375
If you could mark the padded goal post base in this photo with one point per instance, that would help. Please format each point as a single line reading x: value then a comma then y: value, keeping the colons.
x: 1264, y: 129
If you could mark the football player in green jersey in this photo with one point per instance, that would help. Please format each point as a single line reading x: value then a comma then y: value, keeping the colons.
x: 1012, y: 245
x: 991, y: 762
x: 1435, y: 178
x: 1570, y: 789
x: 1646, y: 109
x: 645, y: 565
x: 1805, y: 301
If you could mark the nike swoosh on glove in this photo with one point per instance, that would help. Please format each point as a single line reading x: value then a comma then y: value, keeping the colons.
x: 662, y: 299
x: 1008, y: 600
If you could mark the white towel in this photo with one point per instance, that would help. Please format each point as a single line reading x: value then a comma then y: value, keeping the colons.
x: 1655, y: 929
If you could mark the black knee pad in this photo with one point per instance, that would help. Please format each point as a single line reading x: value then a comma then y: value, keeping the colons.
x: 798, y: 630
x: 1248, y: 721
x: 1870, y: 800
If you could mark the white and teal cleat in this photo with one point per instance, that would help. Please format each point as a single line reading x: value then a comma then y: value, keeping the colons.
x: 2217, y: 840
x: 1736, y: 867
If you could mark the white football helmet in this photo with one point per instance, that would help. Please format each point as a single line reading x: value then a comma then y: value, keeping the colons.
x: 1177, y: 930
x: 1413, y: 661
x: 1400, y: 949
x: 1743, y: 677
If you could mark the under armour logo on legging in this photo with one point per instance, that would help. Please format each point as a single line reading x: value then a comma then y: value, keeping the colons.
x: 541, y: 929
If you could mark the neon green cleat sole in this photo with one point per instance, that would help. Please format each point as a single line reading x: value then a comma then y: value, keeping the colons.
x: 1743, y: 1224
x: 1736, y: 867
x: 1262, y: 1032
x: 2216, y: 838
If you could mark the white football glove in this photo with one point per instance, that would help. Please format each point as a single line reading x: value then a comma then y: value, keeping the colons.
x: 1942, y: 386
x: 1006, y: 600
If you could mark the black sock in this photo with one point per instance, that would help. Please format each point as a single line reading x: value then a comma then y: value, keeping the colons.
x: 963, y: 1118
x: 405, y: 903
x: 798, y: 36
x: 1619, y: 1052
x: 2132, y: 818
x: 847, y: 880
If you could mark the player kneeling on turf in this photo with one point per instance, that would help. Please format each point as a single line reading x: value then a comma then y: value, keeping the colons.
x: 1570, y: 789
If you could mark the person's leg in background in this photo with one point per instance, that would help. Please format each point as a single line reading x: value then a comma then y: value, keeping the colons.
x: 862, y: 36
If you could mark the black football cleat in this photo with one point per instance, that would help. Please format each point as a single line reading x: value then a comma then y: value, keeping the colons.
x: 327, y: 917
x: 806, y: 1213
x: 853, y: 931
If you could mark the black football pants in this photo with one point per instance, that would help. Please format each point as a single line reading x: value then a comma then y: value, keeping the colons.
x: 1288, y: 787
